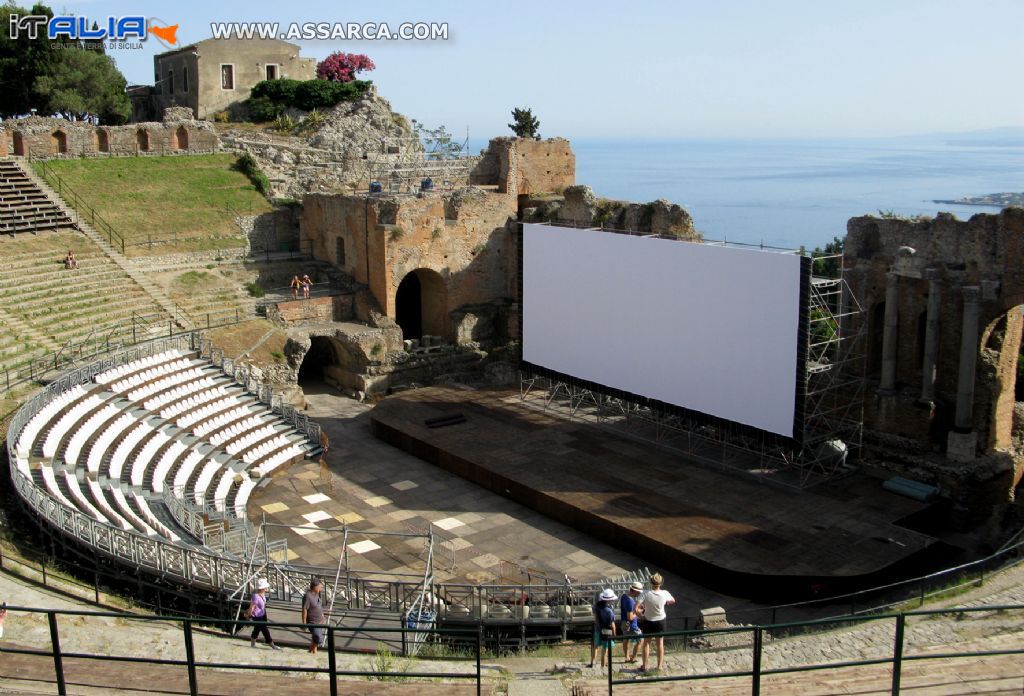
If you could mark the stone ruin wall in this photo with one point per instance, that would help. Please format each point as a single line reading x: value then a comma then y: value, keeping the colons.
x: 42, y: 138
x: 923, y: 278
x: 523, y: 166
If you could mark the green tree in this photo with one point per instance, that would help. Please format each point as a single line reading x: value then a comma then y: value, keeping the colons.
x: 82, y: 81
x: 525, y: 124
x: 22, y: 60
x: 829, y: 266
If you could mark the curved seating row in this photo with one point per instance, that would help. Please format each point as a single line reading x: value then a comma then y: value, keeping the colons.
x: 111, y: 450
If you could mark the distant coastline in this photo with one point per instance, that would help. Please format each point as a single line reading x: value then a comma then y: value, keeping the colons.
x: 1000, y: 200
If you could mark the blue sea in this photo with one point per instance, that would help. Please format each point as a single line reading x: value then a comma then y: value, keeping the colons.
x: 790, y: 193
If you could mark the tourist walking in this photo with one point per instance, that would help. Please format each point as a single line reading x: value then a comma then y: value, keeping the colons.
x: 630, y: 621
x: 604, y: 626
x: 257, y: 611
x: 655, y: 620
x: 296, y: 284
x: 306, y: 284
x: 313, y: 613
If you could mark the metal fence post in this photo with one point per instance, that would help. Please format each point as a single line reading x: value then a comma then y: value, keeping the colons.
x: 332, y: 661
x: 190, y: 658
x: 479, y: 651
x: 405, y: 648
x: 608, y: 649
x: 58, y: 662
x: 755, y: 677
x: 897, y: 654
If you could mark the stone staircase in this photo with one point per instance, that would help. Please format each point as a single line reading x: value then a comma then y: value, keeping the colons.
x: 179, y: 318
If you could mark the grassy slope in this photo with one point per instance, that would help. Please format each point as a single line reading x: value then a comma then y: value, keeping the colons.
x: 166, y: 197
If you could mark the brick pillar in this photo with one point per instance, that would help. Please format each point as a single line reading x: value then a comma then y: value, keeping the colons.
x: 889, y: 337
x: 931, y: 337
x: 963, y: 439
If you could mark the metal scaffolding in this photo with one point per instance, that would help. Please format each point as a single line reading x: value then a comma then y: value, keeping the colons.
x: 833, y: 406
x: 405, y: 164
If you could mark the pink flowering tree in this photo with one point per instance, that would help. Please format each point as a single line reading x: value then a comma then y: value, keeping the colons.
x: 342, y: 67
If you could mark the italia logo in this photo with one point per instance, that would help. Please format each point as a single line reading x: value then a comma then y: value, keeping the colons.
x: 76, y: 28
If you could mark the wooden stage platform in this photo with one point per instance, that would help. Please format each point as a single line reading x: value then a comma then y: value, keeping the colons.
x: 720, y: 528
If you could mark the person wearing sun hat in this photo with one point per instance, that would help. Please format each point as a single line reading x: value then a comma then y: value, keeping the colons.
x: 630, y: 620
x: 655, y: 620
x: 257, y: 611
x: 604, y: 625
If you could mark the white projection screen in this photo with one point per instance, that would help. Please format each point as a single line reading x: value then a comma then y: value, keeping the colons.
x: 711, y: 329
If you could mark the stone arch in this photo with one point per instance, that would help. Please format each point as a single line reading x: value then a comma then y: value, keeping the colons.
x: 19, y: 144
x: 102, y: 140
x: 58, y: 142
x: 999, y: 355
x: 421, y: 304
x: 180, y: 138
x: 142, y: 140
x: 328, y: 359
x: 322, y: 354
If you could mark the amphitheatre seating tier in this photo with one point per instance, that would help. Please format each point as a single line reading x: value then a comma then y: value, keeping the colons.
x: 114, y: 447
x: 24, y: 207
x: 51, y: 305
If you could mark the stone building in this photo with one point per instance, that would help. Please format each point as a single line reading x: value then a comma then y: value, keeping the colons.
x: 942, y: 303
x: 216, y: 74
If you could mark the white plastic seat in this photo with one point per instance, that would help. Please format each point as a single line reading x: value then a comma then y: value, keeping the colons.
x: 100, y: 500
x: 61, y: 427
x: 83, y: 503
x: 126, y: 510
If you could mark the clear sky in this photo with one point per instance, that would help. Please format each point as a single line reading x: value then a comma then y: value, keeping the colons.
x: 664, y: 69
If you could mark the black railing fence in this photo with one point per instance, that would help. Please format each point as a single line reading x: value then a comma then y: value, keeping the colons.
x: 192, y: 664
x: 760, y: 635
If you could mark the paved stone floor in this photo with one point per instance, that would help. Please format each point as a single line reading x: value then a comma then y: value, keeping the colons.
x: 370, y: 485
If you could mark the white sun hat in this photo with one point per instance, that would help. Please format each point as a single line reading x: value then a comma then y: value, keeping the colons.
x: 608, y: 595
x: 262, y: 584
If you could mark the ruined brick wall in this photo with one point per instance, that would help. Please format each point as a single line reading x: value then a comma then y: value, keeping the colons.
x: 521, y: 166
x: 545, y: 165
x: 53, y: 137
x: 462, y: 243
x: 987, y: 252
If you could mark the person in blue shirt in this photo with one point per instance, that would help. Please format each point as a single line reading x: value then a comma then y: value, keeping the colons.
x: 604, y: 626
x: 630, y: 621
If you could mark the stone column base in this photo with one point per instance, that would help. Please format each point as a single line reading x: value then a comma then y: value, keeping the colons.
x: 960, y: 447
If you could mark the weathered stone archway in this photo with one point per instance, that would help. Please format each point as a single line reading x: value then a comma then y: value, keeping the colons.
x: 421, y: 304
x: 59, y: 142
x: 181, y: 138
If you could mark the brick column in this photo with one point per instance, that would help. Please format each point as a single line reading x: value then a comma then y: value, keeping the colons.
x: 931, y: 337
x: 889, y: 337
x: 963, y: 439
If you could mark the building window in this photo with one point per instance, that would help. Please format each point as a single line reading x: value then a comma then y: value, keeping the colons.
x: 271, y: 72
x: 227, y: 76
x: 184, y: 79
x: 340, y: 251
x: 170, y: 81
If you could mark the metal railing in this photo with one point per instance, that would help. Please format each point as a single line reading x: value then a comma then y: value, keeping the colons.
x: 140, y: 331
x: 203, y: 568
x: 192, y: 664
x: 80, y: 207
x: 759, y: 634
